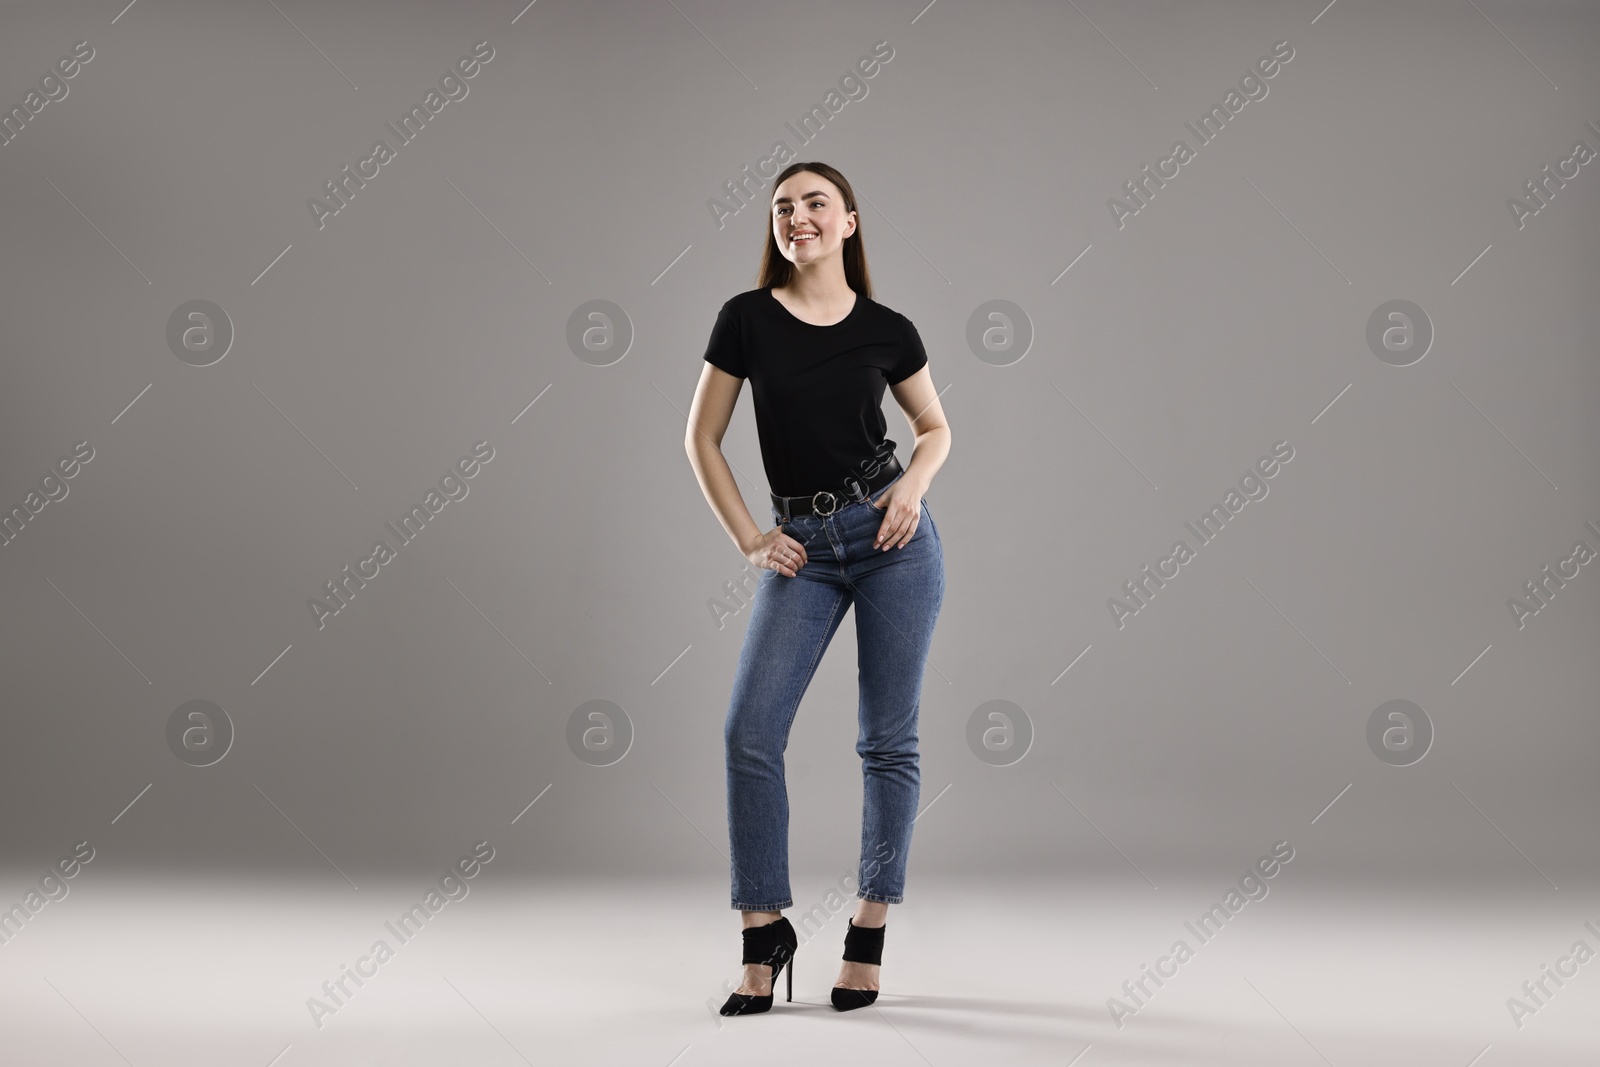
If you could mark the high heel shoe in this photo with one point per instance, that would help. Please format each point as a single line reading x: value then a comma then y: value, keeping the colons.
x: 774, y: 945
x: 862, y: 944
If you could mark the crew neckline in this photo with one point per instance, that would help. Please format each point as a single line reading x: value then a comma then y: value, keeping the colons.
x: 815, y: 326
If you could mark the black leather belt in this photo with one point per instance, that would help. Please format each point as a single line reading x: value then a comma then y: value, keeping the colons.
x: 826, y: 502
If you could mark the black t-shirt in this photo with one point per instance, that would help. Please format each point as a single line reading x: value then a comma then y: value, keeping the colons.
x: 817, y: 390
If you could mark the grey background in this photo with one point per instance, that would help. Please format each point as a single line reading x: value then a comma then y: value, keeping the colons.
x: 1176, y: 351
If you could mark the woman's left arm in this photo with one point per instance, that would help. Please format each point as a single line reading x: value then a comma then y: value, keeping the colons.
x: 902, y: 502
x: 919, y: 401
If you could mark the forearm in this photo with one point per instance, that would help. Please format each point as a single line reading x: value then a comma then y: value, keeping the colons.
x: 927, y: 456
x: 722, y: 492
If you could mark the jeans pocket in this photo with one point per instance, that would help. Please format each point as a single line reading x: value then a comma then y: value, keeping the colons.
x: 881, y: 491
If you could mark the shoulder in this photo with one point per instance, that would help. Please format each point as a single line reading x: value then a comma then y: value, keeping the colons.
x: 893, y: 320
x: 745, y: 300
x: 746, y: 308
x: 883, y: 312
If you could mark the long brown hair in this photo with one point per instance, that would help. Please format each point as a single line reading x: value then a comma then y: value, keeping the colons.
x: 775, y: 270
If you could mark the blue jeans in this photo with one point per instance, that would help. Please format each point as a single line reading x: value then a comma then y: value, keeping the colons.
x: 897, y: 595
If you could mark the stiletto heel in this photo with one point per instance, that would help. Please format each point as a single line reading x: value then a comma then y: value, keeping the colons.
x: 862, y: 944
x: 774, y: 945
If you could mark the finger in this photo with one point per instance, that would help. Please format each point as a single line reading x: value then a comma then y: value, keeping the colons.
x: 797, y: 548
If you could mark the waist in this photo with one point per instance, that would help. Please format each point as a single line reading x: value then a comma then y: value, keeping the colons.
x: 827, y: 501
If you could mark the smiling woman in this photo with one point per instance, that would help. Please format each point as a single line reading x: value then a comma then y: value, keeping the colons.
x: 819, y: 353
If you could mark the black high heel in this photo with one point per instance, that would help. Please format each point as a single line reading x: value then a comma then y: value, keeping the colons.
x: 774, y: 945
x: 862, y: 944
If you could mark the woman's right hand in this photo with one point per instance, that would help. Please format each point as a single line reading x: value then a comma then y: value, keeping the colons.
x: 777, y: 551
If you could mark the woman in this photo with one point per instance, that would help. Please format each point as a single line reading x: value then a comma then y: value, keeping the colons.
x: 819, y: 352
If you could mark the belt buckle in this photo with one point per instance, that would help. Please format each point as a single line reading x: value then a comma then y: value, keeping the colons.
x: 827, y: 493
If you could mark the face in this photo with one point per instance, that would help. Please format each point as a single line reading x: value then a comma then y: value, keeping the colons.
x: 808, y: 203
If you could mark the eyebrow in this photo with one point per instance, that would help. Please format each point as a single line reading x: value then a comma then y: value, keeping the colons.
x: 808, y: 196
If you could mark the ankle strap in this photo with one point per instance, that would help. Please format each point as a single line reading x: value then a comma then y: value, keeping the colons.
x: 761, y: 943
x: 863, y: 944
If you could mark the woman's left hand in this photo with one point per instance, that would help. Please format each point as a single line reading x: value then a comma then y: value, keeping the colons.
x: 902, y: 506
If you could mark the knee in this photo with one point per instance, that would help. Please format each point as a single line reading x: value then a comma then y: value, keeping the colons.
x: 896, y: 755
x: 745, y: 742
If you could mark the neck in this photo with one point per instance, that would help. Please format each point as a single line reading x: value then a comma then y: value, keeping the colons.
x: 819, y: 286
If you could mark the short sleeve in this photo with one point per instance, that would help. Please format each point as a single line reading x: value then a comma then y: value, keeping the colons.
x: 913, y: 357
x: 725, y: 349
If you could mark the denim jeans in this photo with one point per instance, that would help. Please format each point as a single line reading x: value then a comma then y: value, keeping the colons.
x: 897, y: 595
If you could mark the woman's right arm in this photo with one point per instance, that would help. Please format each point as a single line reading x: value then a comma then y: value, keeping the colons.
x: 709, y: 415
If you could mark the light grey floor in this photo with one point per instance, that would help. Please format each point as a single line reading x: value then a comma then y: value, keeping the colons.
x: 1014, y: 971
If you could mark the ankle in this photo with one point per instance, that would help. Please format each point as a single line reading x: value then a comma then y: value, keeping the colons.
x: 760, y: 918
